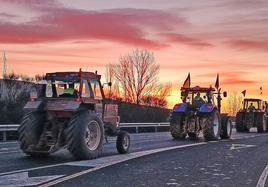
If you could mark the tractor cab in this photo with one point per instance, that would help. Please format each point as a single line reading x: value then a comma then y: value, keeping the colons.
x: 253, y: 105
x: 197, y: 96
x: 78, y: 85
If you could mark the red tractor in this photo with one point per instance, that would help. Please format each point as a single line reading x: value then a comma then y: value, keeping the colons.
x: 70, y: 111
x: 253, y: 114
x: 199, y: 112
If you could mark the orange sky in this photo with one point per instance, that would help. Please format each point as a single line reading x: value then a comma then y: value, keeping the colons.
x: 204, y: 37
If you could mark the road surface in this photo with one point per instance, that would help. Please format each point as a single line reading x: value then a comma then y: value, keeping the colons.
x: 155, y: 159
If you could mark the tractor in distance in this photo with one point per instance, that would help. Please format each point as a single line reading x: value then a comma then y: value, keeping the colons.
x: 198, y: 112
x: 69, y: 110
x: 253, y: 114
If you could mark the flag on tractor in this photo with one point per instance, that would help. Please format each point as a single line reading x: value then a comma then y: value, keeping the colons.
x: 217, y: 84
x: 187, y: 82
x: 244, y: 93
x: 261, y: 90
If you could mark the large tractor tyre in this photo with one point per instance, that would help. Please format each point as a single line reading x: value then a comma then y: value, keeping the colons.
x: 176, y: 127
x: 261, y: 123
x: 123, y: 142
x: 239, y: 122
x: 266, y: 119
x: 240, y: 127
x: 30, y: 131
x: 211, y: 124
x: 84, y: 135
x: 226, y: 127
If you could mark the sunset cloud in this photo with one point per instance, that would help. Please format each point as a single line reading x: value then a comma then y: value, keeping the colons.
x: 126, y: 26
x: 186, y: 40
x: 249, y: 44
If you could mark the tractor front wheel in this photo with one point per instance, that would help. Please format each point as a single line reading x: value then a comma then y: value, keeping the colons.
x: 123, y: 142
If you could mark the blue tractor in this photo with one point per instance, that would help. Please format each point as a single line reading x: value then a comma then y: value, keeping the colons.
x: 199, y: 112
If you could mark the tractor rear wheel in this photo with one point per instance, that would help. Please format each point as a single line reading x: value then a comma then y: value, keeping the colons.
x: 262, y: 124
x: 84, y: 135
x: 30, y: 131
x: 176, y: 126
x: 211, y: 126
x: 239, y: 125
x: 226, y: 127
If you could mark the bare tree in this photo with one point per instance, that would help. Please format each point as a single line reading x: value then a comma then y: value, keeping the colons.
x: 234, y: 103
x: 137, y: 74
x: 112, y: 92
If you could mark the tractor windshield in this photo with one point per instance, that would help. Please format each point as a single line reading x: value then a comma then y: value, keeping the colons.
x: 252, y: 105
x: 197, y: 99
x: 90, y: 89
x: 62, y: 89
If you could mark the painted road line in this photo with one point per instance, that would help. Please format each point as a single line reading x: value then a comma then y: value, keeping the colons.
x: 30, y: 169
x: 7, y: 152
x: 4, y: 143
x: 116, y: 159
x: 23, y: 179
x: 240, y: 146
x: 263, y: 178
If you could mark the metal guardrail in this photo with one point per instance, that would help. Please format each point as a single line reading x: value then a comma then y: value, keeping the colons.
x: 141, y: 125
x: 4, y: 128
x: 13, y: 127
x: 9, y: 127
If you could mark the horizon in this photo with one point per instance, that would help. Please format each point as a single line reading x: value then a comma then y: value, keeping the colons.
x: 202, y: 37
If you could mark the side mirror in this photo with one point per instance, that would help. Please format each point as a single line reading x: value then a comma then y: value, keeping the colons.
x: 224, y: 94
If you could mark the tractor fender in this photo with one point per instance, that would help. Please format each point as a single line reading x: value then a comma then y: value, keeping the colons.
x: 180, y: 107
x: 207, y: 108
x: 32, y: 106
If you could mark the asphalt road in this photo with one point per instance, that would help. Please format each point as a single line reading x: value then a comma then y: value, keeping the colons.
x: 236, y: 162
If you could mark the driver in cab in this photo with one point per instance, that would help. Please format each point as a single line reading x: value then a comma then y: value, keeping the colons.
x: 198, y: 100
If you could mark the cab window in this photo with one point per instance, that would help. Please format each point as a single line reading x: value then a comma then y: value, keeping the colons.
x: 85, y: 90
x: 96, y: 90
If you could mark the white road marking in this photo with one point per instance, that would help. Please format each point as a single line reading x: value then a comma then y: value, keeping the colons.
x: 5, y: 143
x: 263, y: 178
x: 240, y: 146
x: 23, y: 179
x: 6, y: 152
x: 30, y: 169
x: 109, y: 161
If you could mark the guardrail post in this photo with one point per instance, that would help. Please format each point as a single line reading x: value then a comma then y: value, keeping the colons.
x: 155, y: 128
x: 137, y: 129
x: 4, y: 136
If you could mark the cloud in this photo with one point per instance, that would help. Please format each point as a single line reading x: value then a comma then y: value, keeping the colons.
x: 230, y: 77
x: 237, y: 81
x: 58, y: 23
x: 248, y: 44
x: 186, y: 40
